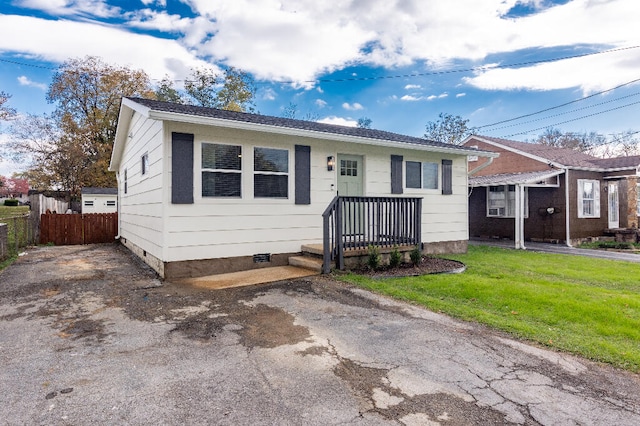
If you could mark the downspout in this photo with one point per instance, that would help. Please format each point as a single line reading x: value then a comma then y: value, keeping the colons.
x: 521, y: 216
x: 480, y: 167
x: 117, y: 237
x: 566, y: 208
x: 516, y: 216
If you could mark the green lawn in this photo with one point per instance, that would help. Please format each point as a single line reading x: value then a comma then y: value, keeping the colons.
x: 6, y: 211
x: 590, y: 307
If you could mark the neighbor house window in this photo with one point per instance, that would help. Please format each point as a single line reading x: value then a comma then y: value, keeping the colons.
x: 271, y: 173
x: 144, y: 160
x: 88, y: 203
x: 588, y: 198
x: 111, y: 203
x: 221, y: 170
x: 421, y: 175
x: 501, y: 201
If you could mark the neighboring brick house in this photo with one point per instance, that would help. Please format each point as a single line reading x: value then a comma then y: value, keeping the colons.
x: 539, y: 193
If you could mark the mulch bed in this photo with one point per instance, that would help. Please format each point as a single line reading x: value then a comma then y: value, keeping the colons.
x: 428, y: 265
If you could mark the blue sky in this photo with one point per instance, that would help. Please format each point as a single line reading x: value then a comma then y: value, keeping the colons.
x: 398, y: 62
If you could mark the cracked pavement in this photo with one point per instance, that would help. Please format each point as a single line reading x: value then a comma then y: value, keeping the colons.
x: 89, y: 335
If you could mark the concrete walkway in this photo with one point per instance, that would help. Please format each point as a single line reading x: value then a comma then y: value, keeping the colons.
x: 561, y: 249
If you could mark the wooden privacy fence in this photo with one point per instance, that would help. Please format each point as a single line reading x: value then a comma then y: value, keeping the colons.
x: 70, y: 229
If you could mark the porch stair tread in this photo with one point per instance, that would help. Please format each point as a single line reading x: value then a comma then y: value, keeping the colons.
x: 307, y: 262
x: 317, y: 249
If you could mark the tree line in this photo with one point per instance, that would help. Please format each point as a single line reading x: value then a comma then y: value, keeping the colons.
x: 71, y: 148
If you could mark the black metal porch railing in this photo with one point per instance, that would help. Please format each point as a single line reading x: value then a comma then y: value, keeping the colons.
x: 351, y: 223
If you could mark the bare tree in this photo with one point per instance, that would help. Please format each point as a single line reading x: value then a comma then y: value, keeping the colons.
x: 448, y: 129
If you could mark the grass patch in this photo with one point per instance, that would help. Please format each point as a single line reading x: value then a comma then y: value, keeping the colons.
x: 10, y: 211
x: 610, y: 245
x: 586, y: 306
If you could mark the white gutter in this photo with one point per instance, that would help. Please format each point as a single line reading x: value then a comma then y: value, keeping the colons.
x: 480, y: 167
x: 566, y: 208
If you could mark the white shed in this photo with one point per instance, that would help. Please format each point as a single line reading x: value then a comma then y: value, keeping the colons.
x: 99, y: 200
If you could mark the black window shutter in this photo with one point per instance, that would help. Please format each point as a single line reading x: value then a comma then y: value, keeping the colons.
x: 181, y: 168
x: 396, y: 174
x: 303, y: 174
x: 447, y: 177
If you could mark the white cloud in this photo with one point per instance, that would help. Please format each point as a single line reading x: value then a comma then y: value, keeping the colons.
x: 58, y: 41
x: 339, y: 121
x: 25, y: 81
x: 352, y: 107
x: 7, y: 165
x: 298, y: 40
x: 320, y: 103
x: 269, y: 95
x: 98, y: 8
x: 460, y: 95
x: 411, y: 98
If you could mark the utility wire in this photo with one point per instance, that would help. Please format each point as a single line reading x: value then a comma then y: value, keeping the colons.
x: 564, y: 113
x: 573, y: 119
x: 412, y: 75
x: 559, y: 106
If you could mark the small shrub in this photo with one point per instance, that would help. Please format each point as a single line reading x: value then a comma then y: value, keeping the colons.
x: 395, y: 258
x: 374, y: 257
x: 11, y: 202
x: 416, y: 256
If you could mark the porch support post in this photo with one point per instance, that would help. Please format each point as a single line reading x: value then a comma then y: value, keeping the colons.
x: 520, y: 217
x: 567, y: 205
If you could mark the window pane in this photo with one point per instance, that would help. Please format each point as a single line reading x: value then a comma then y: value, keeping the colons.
x: 271, y: 160
x: 430, y: 175
x: 218, y: 184
x: 221, y: 157
x: 272, y: 186
x: 587, y: 190
x: 414, y: 178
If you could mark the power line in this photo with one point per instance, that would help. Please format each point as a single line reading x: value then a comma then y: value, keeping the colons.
x: 559, y: 106
x: 573, y: 119
x: 564, y: 113
x: 412, y: 75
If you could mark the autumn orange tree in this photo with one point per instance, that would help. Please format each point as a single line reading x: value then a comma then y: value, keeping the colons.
x: 87, y: 94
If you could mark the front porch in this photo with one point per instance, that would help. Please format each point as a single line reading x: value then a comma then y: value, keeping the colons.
x: 352, y: 224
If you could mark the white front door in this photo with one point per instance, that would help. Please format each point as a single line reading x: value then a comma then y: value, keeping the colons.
x: 614, y: 207
x: 350, y: 180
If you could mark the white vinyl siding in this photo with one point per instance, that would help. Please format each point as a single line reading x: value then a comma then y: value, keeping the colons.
x: 501, y: 201
x: 588, y: 198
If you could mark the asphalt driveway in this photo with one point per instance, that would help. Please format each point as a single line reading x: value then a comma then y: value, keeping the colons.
x: 88, y: 335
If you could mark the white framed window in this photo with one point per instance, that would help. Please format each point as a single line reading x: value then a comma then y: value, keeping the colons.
x: 270, y: 173
x: 221, y: 170
x: 501, y: 201
x: 144, y: 163
x: 111, y: 203
x: 88, y: 203
x: 588, y: 198
x: 421, y: 175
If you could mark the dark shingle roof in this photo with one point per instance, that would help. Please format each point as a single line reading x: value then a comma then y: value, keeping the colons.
x: 618, y: 162
x: 289, y: 123
x: 102, y: 191
x: 564, y: 156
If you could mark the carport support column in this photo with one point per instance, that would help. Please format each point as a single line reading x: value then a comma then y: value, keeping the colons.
x: 519, y: 217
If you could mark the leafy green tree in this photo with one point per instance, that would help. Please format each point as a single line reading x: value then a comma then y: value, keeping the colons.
x: 448, y: 129
x: 167, y: 92
x: 233, y: 90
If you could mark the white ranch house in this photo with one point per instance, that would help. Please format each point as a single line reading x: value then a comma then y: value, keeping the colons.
x: 205, y: 191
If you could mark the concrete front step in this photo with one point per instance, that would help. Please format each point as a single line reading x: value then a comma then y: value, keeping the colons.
x: 307, y: 262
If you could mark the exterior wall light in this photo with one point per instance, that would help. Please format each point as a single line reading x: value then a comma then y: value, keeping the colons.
x: 331, y: 163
